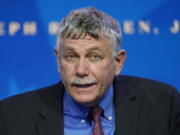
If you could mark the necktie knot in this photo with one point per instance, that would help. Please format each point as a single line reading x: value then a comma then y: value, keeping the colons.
x: 96, y: 112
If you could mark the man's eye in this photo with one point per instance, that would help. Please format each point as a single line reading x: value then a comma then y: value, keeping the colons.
x: 95, y: 57
x: 70, y: 57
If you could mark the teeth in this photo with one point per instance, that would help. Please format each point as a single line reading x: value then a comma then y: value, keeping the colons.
x: 82, y: 81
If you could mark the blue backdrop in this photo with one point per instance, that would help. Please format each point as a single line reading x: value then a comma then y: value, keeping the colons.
x: 150, y: 29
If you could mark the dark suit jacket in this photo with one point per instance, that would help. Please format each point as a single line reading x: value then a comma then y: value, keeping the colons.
x: 143, y: 107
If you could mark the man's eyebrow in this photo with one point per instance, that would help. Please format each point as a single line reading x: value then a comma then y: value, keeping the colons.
x: 67, y: 48
x: 94, y: 48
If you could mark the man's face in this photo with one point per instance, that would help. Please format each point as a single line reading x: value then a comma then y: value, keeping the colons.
x: 87, y: 67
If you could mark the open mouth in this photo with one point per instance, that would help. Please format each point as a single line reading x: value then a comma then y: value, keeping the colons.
x: 84, y: 85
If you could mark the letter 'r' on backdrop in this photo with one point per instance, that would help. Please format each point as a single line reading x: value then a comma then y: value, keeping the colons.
x: 151, y: 36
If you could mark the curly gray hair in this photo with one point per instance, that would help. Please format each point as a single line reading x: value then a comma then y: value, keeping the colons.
x: 90, y: 21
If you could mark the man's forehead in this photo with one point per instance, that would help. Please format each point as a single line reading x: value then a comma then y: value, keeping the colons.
x: 83, y: 44
x: 86, y: 48
x: 86, y: 43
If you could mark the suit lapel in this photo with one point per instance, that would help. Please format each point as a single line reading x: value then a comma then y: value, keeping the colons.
x: 126, y: 105
x: 50, y: 115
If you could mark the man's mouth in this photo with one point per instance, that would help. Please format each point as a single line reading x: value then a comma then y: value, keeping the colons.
x: 83, y: 85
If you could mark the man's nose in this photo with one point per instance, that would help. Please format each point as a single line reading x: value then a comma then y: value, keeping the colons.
x: 82, y: 68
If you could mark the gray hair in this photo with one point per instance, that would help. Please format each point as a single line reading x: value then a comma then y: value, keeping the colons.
x: 90, y: 21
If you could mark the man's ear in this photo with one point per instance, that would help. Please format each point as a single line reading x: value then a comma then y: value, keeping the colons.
x: 57, y: 57
x: 119, y: 61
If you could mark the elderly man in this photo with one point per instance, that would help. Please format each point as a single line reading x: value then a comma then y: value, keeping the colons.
x: 92, y: 99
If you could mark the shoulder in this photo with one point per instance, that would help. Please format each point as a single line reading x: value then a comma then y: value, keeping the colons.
x: 157, y: 100
x: 144, y: 84
x: 148, y: 91
x: 28, y: 101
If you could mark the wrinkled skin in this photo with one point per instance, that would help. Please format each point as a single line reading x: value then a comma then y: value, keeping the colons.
x: 92, y: 62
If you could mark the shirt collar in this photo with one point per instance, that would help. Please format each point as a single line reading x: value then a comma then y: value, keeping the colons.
x: 107, y: 102
x: 73, y: 108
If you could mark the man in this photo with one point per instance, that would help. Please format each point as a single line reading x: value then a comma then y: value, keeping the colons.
x: 92, y: 99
